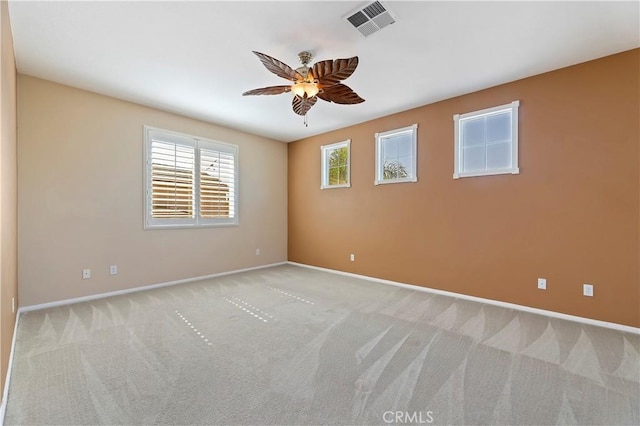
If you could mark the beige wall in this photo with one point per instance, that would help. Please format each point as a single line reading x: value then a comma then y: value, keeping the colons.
x: 570, y: 216
x: 80, y: 180
x: 8, y: 190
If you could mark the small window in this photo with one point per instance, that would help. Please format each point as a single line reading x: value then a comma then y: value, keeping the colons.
x: 336, y: 159
x: 396, y: 155
x: 189, y: 181
x: 486, y: 142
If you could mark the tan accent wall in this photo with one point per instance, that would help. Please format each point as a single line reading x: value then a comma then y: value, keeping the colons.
x: 80, y: 180
x: 571, y: 215
x: 8, y: 191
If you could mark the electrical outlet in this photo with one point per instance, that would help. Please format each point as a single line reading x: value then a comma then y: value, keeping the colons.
x: 86, y: 274
x: 113, y: 269
x: 257, y: 252
x: 587, y: 290
x: 13, y: 305
x: 352, y: 257
x: 542, y: 283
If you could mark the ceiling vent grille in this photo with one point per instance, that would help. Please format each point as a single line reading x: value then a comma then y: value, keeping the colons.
x: 371, y: 18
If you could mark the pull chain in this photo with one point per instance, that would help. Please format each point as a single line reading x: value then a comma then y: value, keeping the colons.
x: 306, y: 123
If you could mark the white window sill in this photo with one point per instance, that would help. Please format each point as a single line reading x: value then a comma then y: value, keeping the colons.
x: 344, y: 185
x: 487, y: 173
x: 386, y: 181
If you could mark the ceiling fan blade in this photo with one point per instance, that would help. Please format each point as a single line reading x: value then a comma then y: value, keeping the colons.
x: 302, y: 105
x: 278, y: 68
x: 331, y: 72
x: 271, y: 90
x: 340, y: 94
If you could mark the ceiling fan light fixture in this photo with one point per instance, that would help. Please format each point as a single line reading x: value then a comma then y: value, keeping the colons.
x: 323, y: 81
x: 302, y: 88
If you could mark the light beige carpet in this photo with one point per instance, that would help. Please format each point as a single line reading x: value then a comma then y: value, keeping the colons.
x: 290, y: 345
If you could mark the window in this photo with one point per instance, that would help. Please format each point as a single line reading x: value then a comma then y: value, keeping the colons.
x: 396, y: 155
x: 189, y: 181
x: 336, y: 160
x: 486, y: 142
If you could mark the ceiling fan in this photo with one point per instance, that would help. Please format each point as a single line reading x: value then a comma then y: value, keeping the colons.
x: 321, y: 80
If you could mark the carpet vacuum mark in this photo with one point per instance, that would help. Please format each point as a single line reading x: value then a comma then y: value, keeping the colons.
x: 294, y: 346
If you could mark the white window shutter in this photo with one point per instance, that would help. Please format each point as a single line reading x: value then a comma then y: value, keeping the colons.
x: 172, y: 180
x: 189, y: 181
x: 217, y: 184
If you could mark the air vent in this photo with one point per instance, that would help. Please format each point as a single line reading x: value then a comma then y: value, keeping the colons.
x: 371, y: 18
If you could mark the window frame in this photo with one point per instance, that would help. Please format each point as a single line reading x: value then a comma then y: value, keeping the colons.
x: 198, y: 144
x: 324, y: 167
x: 459, y: 119
x: 379, y: 168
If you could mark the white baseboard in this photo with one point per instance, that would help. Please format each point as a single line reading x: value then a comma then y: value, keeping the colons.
x: 5, y: 392
x: 612, y: 325
x: 136, y: 289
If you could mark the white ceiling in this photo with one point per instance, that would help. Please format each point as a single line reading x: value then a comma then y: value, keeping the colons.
x: 194, y: 58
